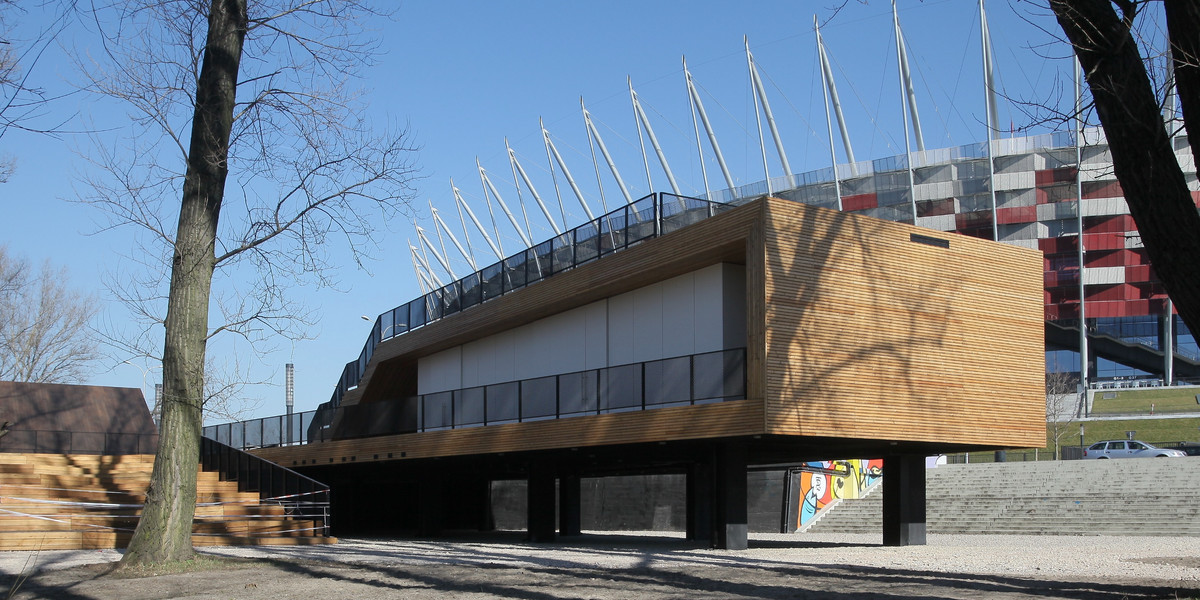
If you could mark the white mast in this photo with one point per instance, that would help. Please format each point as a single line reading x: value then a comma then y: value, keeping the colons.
x: 432, y: 278
x: 645, y: 123
x: 436, y: 230
x: 826, y: 78
x: 908, y: 84
x: 831, y: 89
x: 761, y: 95
x: 612, y: 167
x: 440, y: 226
x: 694, y: 98
x: 458, y: 203
x: 479, y: 226
x: 517, y: 168
x: 421, y: 281
x: 549, y: 160
x: 912, y: 194
x: 491, y: 214
x: 990, y: 108
x: 441, y: 259
x: 487, y: 182
x: 566, y: 173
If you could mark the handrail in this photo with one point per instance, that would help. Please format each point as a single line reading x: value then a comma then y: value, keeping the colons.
x: 684, y: 380
x: 648, y: 217
x: 301, y: 496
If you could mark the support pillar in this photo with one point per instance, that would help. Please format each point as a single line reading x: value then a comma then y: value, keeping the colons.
x: 732, y: 524
x: 430, y: 514
x: 700, y: 501
x: 570, y: 497
x: 904, y: 500
x: 540, y: 516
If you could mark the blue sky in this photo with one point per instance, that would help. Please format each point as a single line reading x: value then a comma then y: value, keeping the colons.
x: 465, y: 75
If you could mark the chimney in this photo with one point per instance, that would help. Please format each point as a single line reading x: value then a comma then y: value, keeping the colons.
x: 290, y: 387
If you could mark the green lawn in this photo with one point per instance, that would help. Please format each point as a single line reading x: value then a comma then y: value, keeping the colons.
x: 1160, y: 400
x: 1154, y: 431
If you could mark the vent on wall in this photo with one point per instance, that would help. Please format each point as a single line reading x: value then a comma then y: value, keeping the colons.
x: 929, y: 241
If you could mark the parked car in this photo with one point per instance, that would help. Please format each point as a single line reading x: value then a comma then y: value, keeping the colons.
x: 1190, y: 449
x: 1128, y: 449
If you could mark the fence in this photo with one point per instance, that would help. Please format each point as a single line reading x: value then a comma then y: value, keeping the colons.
x: 680, y: 381
x: 77, y: 442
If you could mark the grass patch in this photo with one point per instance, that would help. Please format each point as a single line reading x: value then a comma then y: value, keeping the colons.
x: 1162, y: 400
x: 1159, y: 432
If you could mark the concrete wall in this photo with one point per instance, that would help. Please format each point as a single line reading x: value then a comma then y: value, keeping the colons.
x: 701, y: 311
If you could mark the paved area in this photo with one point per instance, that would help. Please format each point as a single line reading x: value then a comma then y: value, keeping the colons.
x: 665, y: 566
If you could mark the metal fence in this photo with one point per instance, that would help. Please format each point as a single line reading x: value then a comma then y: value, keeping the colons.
x: 301, y: 497
x: 681, y: 381
x: 77, y: 442
x: 649, y: 217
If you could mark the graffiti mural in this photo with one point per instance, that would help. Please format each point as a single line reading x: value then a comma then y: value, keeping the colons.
x: 822, y: 482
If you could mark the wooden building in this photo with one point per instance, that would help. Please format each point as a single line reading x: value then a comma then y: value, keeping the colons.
x: 767, y: 333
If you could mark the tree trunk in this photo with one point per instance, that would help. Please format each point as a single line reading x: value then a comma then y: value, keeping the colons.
x: 1142, y: 153
x: 164, y: 532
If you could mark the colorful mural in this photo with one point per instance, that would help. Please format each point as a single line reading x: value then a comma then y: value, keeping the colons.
x: 822, y: 482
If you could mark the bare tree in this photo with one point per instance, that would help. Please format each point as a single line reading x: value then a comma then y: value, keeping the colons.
x: 1063, y: 408
x: 45, y: 326
x: 259, y: 96
x: 1129, y: 109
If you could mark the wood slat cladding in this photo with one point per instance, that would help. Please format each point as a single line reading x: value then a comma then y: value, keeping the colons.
x: 858, y: 329
x: 726, y: 419
x: 871, y: 333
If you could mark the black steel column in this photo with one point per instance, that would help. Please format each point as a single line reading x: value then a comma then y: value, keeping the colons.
x: 430, y: 500
x: 700, y: 501
x: 570, y: 521
x: 540, y: 516
x: 732, y: 524
x: 904, y: 500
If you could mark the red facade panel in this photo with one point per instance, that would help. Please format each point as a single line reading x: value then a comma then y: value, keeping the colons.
x: 1017, y: 214
x: 1112, y: 224
x: 859, y: 202
x: 1102, y: 189
x: 1103, y: 241
x: 1054, y: 176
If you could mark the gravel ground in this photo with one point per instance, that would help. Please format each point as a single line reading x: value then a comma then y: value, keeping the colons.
x: 609, y: 566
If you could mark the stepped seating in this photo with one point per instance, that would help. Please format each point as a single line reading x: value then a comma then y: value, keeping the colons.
x: 1080, y: 497
x: 60, y: 502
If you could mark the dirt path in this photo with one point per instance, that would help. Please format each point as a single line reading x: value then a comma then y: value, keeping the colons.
x: 652, y: 568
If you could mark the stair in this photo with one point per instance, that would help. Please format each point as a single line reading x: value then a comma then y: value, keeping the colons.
x: 1079, y: 497
x: 62, y: 502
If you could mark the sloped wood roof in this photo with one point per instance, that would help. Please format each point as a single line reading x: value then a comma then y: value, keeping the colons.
x: 74, y: 408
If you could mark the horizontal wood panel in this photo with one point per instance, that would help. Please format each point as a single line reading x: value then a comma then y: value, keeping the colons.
x: 871, y: 335
x: 726, y: 419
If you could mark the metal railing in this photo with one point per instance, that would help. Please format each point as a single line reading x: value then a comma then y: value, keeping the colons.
x: 78, y: 442
x: 301, y: 497
x: 649, y: 217
x: 687, y: 380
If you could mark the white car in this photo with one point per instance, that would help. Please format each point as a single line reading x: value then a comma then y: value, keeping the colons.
x: 1128, y: 449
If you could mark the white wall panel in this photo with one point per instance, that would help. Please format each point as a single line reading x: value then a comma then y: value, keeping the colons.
x: 679, y: 316
x: 702, y: 311
x: 440, y: 372
x: 647, y: 323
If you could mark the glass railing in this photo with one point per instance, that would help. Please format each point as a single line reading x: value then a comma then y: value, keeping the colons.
x: 680, y: 381
x: 643, y: 219
x: 78, y: 442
